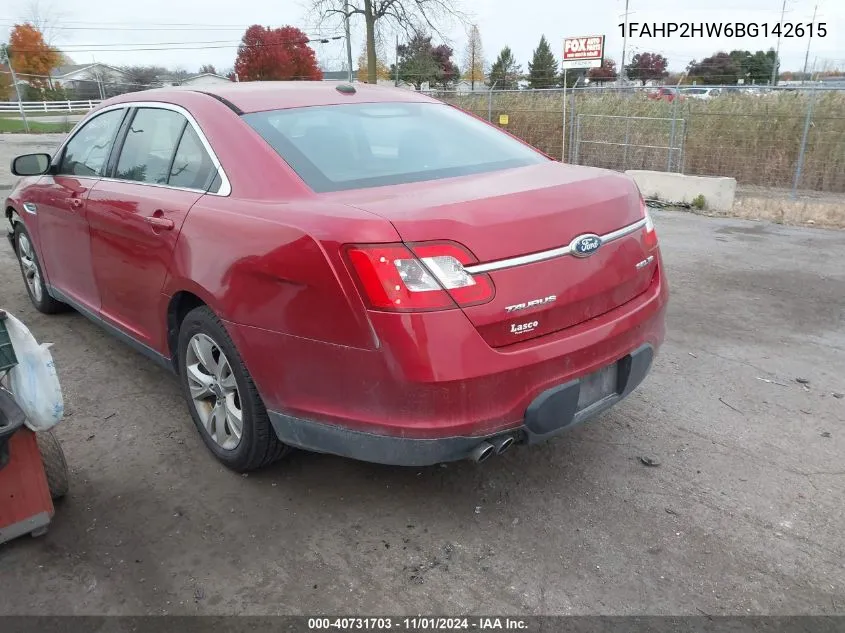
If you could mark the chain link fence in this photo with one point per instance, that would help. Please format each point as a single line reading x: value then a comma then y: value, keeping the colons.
x: 786, y: 137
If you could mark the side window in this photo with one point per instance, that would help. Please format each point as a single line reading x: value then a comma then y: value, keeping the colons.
x: 192, y: 166
x: 149, y: 146
x: 87, y: 152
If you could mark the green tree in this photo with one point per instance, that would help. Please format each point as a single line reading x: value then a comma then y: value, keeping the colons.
x: 754, y: 68
x: 542, y: 69
x: 505, y: 72
x: 574, y: 77
x: 718, y: 69
x: 417, y: 64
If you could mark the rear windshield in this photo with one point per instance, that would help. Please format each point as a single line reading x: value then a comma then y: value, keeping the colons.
x: 355, y: 146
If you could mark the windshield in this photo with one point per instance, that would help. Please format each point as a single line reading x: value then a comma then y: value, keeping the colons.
x: 355, y: 146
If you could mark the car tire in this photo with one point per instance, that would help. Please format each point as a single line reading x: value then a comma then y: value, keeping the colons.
x: 221, y: 395
x: 33, y: 275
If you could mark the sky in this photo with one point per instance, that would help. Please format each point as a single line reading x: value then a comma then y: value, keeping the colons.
x: 185, y: 35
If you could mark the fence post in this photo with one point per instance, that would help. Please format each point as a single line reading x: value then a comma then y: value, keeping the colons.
x: 45, y: 105
x: 490, y: 104
x: 571, y: 121
x: 627, y: 141
x: 577, y: 139
x: 800, y: 165
x: 68, y: 105
x: 90, y: 105
x: 672, y: 133
x: 563, y: 123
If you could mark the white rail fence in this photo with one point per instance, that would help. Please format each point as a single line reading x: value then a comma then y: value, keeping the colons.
x: 49, y: 106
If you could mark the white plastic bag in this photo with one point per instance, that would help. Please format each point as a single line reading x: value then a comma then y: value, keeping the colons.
x: 34, y: 383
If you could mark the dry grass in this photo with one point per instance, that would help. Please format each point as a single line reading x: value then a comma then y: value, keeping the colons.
x: 755, y: 139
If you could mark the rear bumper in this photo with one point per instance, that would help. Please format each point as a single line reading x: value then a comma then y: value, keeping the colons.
x: 552, y: 412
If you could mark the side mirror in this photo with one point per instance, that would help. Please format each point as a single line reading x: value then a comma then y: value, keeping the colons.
x: 31, y: 164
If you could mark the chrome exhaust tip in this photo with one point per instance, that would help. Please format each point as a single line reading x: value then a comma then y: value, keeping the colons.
x: 502, y: 444
x: 482, y: 452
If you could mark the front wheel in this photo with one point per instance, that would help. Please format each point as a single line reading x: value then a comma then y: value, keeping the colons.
x: 33, y: 276
x: 222, y: 398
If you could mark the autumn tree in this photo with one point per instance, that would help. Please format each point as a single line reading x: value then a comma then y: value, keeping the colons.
x: 505, y: 72
x: 410, y: 16
x: 605, y: 72
x: 474, y: 58
x: 268, y: 54
x: 32, y: 58
x: 542, y: 69
x: 6, y: 89
x: 647, y: 67
x: 208, y: 69
x: 382, y: 71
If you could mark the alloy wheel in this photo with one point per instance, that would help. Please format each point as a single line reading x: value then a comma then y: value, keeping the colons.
x: 31, y: 273
x: 214, y: 391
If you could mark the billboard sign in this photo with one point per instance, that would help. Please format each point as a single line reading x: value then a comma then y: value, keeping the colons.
x: 583, y: 52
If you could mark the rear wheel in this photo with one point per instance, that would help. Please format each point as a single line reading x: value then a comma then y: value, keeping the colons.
x: 222, y: 398
x: 33, y: 276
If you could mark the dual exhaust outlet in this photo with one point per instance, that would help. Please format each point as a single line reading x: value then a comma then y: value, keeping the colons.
x: 488, y: 448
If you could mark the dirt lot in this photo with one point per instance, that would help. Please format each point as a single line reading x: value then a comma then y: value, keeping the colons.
x: 743, y: 515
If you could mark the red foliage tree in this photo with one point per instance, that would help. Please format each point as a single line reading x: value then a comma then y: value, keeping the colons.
x: 647, y: 67
x: 268, y: 54
x: 605, y: 72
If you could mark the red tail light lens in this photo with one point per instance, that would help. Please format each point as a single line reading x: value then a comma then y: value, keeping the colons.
x: 428, y: 276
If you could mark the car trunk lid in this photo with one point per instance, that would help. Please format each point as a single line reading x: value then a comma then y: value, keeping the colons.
x: 520, y: 225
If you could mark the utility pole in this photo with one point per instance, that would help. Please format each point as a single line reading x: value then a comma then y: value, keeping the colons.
x: 622, y: 74
x: 348, y: 40
x: 472, y: 68
x: 396, y: 81
x: 777, y: 51
x: 809, y: 40
x: 8, y: 57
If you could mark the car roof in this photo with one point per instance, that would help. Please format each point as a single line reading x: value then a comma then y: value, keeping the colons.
x: 257, y: 96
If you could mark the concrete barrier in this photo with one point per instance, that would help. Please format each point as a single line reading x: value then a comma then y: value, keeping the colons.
x: 718, y: 192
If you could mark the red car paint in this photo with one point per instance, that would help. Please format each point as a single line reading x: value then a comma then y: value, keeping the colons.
x: 273, y: 261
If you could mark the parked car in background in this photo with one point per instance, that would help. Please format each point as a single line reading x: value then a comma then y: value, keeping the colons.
x: 701, y: 93
x: 665, y: 94
x: 362, y: 271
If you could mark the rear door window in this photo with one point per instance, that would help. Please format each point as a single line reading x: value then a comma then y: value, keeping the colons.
x: 151, y: 141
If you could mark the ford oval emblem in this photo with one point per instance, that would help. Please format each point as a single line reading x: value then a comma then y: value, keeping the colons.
x: 585, y: 245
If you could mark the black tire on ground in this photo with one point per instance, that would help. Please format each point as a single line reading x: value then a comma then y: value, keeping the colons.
x: 46, y: 303
x: 259, y: 446
x: 53, y: 458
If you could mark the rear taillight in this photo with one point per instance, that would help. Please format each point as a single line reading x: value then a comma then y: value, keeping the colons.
x: 428, y: 276
x: 650, y: 233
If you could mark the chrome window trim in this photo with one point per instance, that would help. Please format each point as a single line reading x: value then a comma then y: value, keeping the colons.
x: 554, y: 253
x: 225, y: 185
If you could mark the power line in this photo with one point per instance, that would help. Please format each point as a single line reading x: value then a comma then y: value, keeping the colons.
x: 172, y: 46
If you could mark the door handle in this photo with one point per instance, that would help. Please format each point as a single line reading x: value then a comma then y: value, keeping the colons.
x: 159, y: 223
x: 76, y: 203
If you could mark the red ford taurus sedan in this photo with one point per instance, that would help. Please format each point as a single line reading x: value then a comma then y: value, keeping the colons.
x: 352, y: 270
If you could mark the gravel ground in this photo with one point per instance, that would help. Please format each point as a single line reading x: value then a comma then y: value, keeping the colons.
x: 744, y: 514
